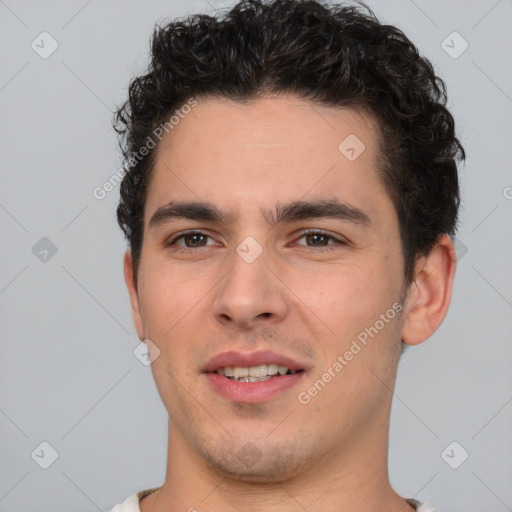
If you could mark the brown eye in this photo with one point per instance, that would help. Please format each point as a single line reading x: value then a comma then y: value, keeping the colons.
x: 194, y: 240
x: 320, y: 239
x: 317, y: 239
x: 190, y: 240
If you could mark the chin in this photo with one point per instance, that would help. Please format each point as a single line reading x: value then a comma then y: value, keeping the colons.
x: 261, y: 475
x: 277, y: 466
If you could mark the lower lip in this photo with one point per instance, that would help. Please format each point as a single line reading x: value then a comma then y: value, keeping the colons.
x: 252, y: 392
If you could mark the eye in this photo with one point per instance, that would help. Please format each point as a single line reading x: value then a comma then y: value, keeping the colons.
x: 190, y: 239
x: 321, y: 239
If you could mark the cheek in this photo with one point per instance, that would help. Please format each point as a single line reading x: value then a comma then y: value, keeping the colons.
x: 347, y: 296
x: 168, y: 298
x: 350, y: 301
x: 171, y: 305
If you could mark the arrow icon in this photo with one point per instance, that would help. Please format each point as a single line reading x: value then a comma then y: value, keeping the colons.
x: 146, y: 352
x: 44, y: 455
x: 44, y: 250
x: 249, y: 454
x: 454, y: 45
x: 249, y: 249
x: 454, y: 455
x: 44, y: 45
x: 351, y: 147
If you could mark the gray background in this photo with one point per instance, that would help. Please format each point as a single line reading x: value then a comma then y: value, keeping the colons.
x: 68, y: 373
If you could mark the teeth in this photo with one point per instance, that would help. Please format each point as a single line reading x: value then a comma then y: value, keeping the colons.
x: 272, y: 369
x: 251, y: 379
x: 258, y: 373
x: 240, y: 372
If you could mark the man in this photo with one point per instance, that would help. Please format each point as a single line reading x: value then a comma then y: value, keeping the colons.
x: 290, y: 191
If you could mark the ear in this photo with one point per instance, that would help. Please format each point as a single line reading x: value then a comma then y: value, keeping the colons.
x: 131, y: 284
x: 430, y: 292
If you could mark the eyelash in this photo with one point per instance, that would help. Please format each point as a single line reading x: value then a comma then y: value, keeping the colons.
x: 305, y: 232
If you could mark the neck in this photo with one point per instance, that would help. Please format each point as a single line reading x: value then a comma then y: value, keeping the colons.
x: 345, y: 479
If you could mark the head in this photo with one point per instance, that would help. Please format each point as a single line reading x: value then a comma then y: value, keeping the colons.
x: 285, y: 116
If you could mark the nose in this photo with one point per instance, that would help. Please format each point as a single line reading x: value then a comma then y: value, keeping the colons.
x: 250, y: 295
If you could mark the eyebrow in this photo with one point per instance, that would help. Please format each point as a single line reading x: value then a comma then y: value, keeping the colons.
x: 289, y: 212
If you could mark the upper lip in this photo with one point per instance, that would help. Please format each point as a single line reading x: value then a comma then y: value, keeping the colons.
x: 247, y: 359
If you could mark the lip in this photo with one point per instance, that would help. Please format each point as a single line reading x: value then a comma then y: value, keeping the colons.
x: 248, y: 359
x: 251, y: 392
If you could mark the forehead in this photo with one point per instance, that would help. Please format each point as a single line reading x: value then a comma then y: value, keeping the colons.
x: 221, y: 125
x: 265, y: 151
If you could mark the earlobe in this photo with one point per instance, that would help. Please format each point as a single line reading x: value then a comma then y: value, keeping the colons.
x: 131, y: 284
x: 430, y: 293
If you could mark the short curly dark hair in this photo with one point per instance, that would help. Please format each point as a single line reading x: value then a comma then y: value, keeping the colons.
x: 339, y: 55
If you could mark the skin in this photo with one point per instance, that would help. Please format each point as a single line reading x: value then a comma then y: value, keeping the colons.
x: 296, y: 298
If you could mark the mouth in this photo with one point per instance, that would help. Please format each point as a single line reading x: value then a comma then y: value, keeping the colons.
x: 252, y: 377
x: 259, y: 373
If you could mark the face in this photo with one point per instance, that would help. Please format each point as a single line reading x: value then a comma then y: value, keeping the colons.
x: 293, y: 258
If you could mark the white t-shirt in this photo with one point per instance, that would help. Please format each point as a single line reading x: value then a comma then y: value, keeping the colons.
x: 131, y: 504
